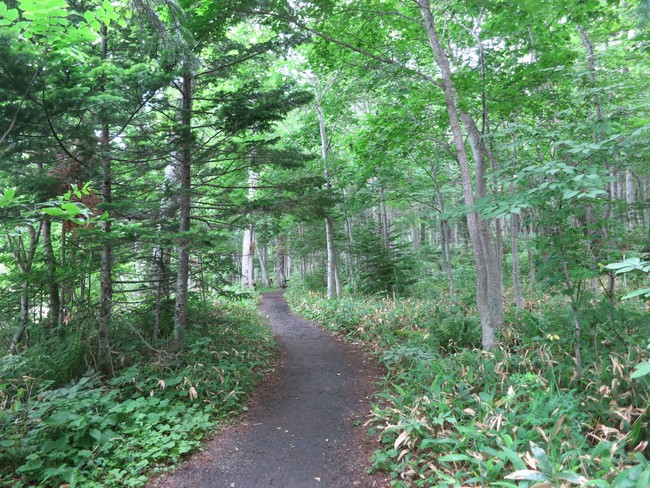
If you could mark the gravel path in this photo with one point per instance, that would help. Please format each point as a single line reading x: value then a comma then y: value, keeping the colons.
x: 305, y: 425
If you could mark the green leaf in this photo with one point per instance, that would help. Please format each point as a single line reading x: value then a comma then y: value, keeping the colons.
x: 455, y: 457
x: 572, y: 477
x: 644, y: 479
x: 514, y: 458
x: 9, y: 194
x: 53, y: 211
x: 641, y: 369
x: 645, y: 292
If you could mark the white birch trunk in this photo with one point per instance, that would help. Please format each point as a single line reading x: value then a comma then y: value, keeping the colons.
x: 247, y: 257
x: 249, y: 245
x: 333, y: 280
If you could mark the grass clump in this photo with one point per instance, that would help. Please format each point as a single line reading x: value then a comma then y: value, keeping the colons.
x: 452, y: 415
x: 98, y: 432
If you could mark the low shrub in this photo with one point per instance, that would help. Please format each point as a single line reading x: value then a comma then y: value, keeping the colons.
x: 96, y: 432
x: 451, y: 415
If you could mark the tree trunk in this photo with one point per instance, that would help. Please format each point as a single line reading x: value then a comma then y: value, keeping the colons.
x: 106, y: 267
x: 23, y: 319
x: 249, y: 245
x: 303, y: 257
x: 629, y: 198
x: 24, y: 259
x: 280, y: 275
x: 333, y: 280
x: 333, y: 283
x: 532, y: 275
x: 516, y: 283
x: 159, y: 276
x: 261, y: 257
x: 445, y: 234
x: 185, y: 202
x: 54, y: 303
x: 415, y: 237
x: 161, y: 256
x: 383, y: 215
x: 247, y: 258
x: 488, y: 271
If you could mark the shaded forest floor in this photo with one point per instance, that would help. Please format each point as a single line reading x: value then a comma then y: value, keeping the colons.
x: 305, y: 424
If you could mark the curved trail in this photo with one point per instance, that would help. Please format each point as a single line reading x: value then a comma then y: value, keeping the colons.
x: 305, y: 425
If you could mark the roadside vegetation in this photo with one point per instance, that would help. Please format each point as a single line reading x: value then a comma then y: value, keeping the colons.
x: 449, y: 414
x: 64, y: 425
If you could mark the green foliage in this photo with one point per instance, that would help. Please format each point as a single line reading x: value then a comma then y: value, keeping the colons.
x: 93, y: 432
x: 383, y: 270
x: 632, y: 264
x: 454, y: 416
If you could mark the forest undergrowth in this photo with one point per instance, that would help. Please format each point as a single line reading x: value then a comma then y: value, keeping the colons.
x: 449, y: 414
x: 65, y: 428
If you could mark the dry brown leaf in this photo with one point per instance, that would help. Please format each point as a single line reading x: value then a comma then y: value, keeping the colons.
x: 403, y: 437
x: 193, y: 393
x: 641, y: 446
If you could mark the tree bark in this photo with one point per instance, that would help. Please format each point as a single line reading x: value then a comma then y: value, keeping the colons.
x: 333, y: 284
x: 629, y: 199
x: 383, y: 216
x: 106, y: 267
x: 54, y: 303
x: 489, y: 253
x: 185, y: 202
x: 280, y: 266
x: 249, y: 244
x: 248, y: 257
x: 261, y: 257
x: 415, y: 237
x: 24, y: 259
x: 333, y: 280
x: 488, y: 272
x: 445, y: 234
x: 516, y: 283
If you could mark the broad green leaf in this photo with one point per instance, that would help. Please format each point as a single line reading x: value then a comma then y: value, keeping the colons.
x: 641, y: 369
x: 572, y: 477
x: 645, y: 292
x: 53, y: 211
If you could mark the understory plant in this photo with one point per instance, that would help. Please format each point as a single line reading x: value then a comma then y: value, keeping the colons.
x: 449, y: 414
x: 101, y: 432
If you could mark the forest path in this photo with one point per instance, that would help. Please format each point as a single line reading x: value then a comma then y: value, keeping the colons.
x: 304, y: 427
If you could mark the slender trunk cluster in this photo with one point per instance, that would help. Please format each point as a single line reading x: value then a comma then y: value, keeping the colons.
x: 24, y: 257
x: 488, y: 270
